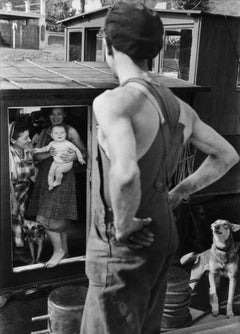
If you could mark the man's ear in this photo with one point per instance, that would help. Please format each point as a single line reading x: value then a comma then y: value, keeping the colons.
x: 13, y: 141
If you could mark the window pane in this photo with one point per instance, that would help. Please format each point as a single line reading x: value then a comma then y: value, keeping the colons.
x: 99, y: 48
x: 75, y: 46
x: 176, y: 53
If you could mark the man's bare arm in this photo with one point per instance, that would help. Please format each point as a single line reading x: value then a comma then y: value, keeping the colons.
x: 221, y: 158
x: 124, y: 179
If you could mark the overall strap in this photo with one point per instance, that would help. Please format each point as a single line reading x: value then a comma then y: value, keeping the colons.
x: 165, y: 99
x: 100, y: 168
x: 167, y: 106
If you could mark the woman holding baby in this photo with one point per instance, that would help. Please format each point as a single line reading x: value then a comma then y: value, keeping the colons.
x: 55, y: 208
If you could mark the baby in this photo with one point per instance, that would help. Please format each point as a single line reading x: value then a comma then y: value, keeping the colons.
x: 60, y: 145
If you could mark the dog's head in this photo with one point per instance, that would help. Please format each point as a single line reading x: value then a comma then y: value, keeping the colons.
x: 32, y: 229
x: 222, y: 229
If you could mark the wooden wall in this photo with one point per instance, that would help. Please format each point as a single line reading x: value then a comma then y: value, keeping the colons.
x: 217, y: 67
x: 26, y: 36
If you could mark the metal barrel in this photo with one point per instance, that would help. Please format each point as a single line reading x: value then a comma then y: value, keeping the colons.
x: 176, y: 312
x: 65, y: 308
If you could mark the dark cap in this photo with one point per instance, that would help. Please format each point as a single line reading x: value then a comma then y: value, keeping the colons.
x: 134, y: 29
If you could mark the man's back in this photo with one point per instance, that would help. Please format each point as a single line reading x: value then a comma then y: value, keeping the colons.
x: 132, y: 101
x: 130, y: 248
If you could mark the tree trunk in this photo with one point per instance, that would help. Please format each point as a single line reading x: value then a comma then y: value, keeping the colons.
x: 82, y: 6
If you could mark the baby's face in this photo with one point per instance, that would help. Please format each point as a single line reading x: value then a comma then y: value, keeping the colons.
x: 58, y: 133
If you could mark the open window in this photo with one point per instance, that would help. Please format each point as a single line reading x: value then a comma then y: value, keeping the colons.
x: 85, y: 45
x: 75, y: 45
x: 37, y: 119
x: 93, y: 45
x: 177, y: 53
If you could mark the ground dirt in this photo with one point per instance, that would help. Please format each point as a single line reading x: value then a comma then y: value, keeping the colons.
x: 53, y: 53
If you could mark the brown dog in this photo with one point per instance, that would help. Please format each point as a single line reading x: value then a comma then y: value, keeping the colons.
x: 34, y: 234
x: 221, y: 259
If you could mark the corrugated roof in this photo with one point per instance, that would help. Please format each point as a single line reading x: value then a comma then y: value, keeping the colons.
x: 28, y: 75
x: 170, y: 11
x: 17, y: 15
x: 82, y: 15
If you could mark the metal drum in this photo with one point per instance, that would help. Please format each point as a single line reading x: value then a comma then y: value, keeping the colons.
x: 176, y: 312
x: 65, y: 308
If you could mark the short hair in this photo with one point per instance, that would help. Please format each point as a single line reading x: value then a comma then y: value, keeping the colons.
x: 59, y: 126
x: 134, y: 29
x: 18, y: 127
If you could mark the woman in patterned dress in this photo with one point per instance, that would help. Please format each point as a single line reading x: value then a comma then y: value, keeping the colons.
x: 54, y: 209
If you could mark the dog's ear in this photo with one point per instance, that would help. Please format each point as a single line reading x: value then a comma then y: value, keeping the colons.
x: 41, y: 228
x: 25, y: 222
x: 235, y: 227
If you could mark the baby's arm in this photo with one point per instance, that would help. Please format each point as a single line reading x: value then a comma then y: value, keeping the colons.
x: 43, y: 149
x: 78, y: 152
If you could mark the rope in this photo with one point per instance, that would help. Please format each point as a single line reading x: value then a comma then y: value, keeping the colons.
x: 185, y: 164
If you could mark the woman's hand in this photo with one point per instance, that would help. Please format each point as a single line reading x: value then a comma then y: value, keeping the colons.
x: 53, y: 151
x: 69, y: 155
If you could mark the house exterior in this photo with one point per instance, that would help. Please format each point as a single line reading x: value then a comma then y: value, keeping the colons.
x: 200, y: 48
x: 23, y: 26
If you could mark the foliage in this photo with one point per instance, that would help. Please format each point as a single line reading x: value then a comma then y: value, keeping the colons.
x: 14, y: 3
x: 57, y: 10
x: 191, y: 4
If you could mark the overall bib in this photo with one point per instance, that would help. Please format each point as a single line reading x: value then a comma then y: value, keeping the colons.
x: 127, y: 286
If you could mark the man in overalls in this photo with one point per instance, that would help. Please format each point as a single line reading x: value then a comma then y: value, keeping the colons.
x: 142, y: 129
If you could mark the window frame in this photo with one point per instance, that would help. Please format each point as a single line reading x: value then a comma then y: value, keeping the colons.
x: 194, y: 26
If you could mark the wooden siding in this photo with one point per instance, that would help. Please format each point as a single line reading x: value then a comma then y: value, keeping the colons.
x: 26, y: 36
x: 217, y: 68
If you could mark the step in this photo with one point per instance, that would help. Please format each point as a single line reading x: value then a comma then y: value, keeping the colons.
x: 230, y: 326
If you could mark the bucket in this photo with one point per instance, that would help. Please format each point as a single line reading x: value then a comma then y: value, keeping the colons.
x: 65, y: 308
x: 176, y: 312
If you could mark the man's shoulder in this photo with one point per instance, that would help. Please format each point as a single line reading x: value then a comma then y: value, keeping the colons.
x: 120, y: 99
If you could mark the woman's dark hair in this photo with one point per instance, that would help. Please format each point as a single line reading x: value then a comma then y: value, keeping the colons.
x: 48, y: 110
x: 18, y: 128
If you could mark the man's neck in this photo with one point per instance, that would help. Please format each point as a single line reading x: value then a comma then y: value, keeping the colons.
x: 126, y: 69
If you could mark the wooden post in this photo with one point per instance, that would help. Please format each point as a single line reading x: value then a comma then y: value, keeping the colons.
x: 42, y: 25
x: 27, y: 6
x: 14, y: 27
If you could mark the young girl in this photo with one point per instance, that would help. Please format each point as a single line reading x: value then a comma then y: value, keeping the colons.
x: 60, y: 145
